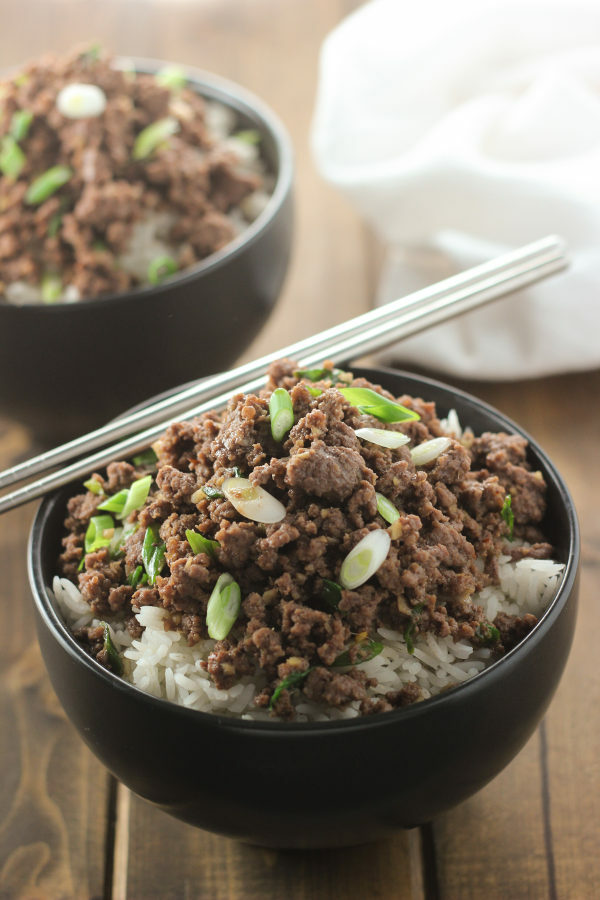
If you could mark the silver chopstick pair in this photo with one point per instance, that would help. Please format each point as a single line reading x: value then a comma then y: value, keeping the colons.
x: 364, y: 334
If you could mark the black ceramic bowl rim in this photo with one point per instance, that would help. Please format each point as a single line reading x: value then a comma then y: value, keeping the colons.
x: 237, y: 98
x: 454, y: 695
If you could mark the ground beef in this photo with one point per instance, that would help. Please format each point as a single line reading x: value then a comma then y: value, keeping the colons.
x: 292, y: 626
x: 190, y: 189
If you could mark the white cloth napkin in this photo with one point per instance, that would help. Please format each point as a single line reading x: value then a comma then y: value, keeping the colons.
x: 461, y: 130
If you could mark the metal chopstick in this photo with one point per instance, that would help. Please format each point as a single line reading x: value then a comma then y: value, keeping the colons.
x: 371, y: 331
x: 545, y: 250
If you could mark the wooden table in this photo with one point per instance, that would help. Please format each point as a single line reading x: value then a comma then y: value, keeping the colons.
x: 67, y: 829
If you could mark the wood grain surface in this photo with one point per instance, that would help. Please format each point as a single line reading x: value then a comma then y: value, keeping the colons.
x: 67, y: 829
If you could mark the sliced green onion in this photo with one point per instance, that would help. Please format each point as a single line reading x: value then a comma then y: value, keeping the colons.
x: 223, y: 607
x: 408, y: 637
x: 212, y: 493
x: 153, y: 553
x: 147, y: 458
x: 136, y: 496
x: 135, y: 577
x: 252, y: 501
x: 248, y: 136
x: 386, y: 509
x: 322, y: 374
x: 112, y: 654
x: 151, y: 137
x: 374, y: 404
x: 20, y: 124
x: 93, y: 486
x: 365, y: 559
x: 94, y: 536
x: 281, y: 412
x: 114, y: 548
x: 201, y: 544
x: 12, y: 158
x: 289, y: 681
x: 21, y: 79
x: 315, y: 391
x: 360, y: 653
x: 429, y: 450
x: 47, y: 184
x: 92, y: 54
x: 489, y: 634
x: 508, y: 515
x: 116, y: 502
x: 54, y: 225
x: 51, y: 288
x: 171, y: 77
x: 331, y: 593
x: 160, y: 268
x: 382, y: 437
x: 81, y: 565
x: 81, y: 101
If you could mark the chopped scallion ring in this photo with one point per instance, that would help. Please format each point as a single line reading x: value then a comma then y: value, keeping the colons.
x: 508, y: 515
x: 382, y: 437
x: 252, y: 501
x: 378, y: 406
x: 171, y: 77
x: 116, y: 502
x: 81, y: 101
x: 12, y: 158
x: 365, y: 559
x: 289, y: 681
x: 223, y: 607
x: 136, y: 496
x: 51, y: 288
x: 147, y: 458
x: 201, y: 544
x: 95, y: 536
x: 111, y: 653
x: 153, y: 553
x: 386, y: 509
x: 160, y: 268
x: 361, y: 653
x: 93, y: 486
x: 281, y: 412
x: 429, y: 450
x: 47, y: 184
x: 248, y: 136
x: 20, y: 124
x: 151, y: 137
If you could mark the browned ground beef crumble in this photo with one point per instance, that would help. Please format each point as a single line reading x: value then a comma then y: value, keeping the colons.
x: 445, y: 546
x: 80, y: 230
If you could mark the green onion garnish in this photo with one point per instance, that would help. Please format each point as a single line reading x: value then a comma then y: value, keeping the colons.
x: 361, y: 653
x: 408, y: 634
x: 382, y: 437
x: 92, y: 54
x: 12, y: 158
x: 54, y: 225
x: 201, y: 544
x: 20, y: 123
x: 135, y: 577
x: 81, y: 565
x: 116, y: 502
x: 212, y: 493
x: 315, y: 391
x: 386, y: 509
x: 47, y: 184
x: 51, y: 288
x: 147, y: 458
x: 150, y: 138
x: 171, y: 77
x: 288, y: 682
x: 281, y: 412
x: 248, y: 136
x: 93, y: 486
x: 94, y: 536
x: 160, y: 268
x: 331, y: 593
x: 374, y: 404
x: 136, y: 496
x: 428, y: 451
x: 223, y: 607
x: 112, y: 655
x: 489, y: 634
x: 322, y: 374
x: 508, y: 515
x: 115, y: 547
x: 153, y: 553
x: 365, y: 559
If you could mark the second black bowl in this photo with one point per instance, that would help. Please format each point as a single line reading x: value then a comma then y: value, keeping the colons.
x: 70, y: 367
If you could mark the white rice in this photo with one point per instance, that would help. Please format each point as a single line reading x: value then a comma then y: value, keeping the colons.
x: 161, y: 662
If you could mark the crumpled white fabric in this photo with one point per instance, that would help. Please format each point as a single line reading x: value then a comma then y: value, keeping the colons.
x: 461, y: 130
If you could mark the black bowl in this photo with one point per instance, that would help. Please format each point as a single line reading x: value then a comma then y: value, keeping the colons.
x: 318, y: 784
x: 69, y: 367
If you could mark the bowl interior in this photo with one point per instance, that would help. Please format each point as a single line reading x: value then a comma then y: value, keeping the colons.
x: 560, y: 526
